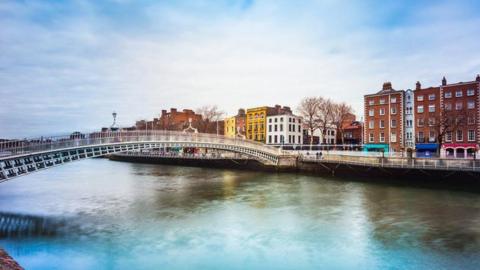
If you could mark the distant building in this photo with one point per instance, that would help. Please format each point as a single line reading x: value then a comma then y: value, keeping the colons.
x: 256, y: 121
x: 351, y: 131
x: 284, y: 129
x: 319, y: 138
x: 235, y: 126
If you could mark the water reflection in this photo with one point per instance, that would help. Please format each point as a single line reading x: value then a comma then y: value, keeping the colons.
x: 149, y: 216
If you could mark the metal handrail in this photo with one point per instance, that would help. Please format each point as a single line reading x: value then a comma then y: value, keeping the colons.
x: 25, y: 146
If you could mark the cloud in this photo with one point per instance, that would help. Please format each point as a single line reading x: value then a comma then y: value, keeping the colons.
x: 67, y: 66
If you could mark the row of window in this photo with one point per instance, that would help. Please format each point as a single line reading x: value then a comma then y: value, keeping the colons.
x: 371, y: 124
x: 280, y: 139
x: 458, y: 93
x: 381, y: 111
x: 291, y: 128
x: 432, y: 136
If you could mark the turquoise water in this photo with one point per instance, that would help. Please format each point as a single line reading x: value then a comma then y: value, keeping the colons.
x: 138, y: 216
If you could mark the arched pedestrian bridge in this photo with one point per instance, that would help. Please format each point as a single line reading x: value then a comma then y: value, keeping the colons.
x: 26, y: 156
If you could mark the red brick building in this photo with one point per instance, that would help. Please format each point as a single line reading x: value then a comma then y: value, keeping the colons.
x: 383, y: 129
x: 427, y: 114
x: 461, y: 116
x: 350, y: 131
x: 173, y: 120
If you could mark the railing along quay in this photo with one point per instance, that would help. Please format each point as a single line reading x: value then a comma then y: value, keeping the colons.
x: 394, y: 162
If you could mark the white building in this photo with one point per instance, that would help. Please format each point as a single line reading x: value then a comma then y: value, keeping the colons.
x: 330, y: 135
x: 409, y: 119
x: 284, y: 129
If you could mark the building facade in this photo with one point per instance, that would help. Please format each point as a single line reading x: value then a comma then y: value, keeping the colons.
x: 256, y: 121
x: 427, y: 112
x: 461, y: 117
x: 441, y: 120
x: 350, y: 131
x: 409, y: 120
x: 384, y: 120
x: 176, y: 120
x: 284, y: 129
x: 235, y: 126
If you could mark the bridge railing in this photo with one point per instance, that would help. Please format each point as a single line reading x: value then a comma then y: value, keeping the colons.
x: 17, y: 147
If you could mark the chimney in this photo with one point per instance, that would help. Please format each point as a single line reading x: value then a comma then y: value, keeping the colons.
x: 478, y: 78
x: 173, y: 110
x: 241, y: 112
x: 387, y: 86
x: 164, y: 112
x: 444, y: 81
x: 418, y: 86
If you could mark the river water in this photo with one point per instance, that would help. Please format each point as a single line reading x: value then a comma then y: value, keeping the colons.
x: 119, y: 215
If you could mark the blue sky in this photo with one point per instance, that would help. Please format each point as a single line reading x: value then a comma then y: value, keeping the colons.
x: 66, y: 65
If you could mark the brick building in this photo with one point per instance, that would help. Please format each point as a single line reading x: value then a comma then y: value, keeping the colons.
x: 461, y: 117
x: 384, y: 120
x: 427, y: 117
x: 350, y: 131
x: 442, y: 119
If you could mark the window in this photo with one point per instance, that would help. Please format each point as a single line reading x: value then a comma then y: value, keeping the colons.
x: 371, y: 102
x: 371, y: 112
x: 431, y: 121
x: 408, y: 123
x: 393, y: 110
x: 420, y: 136
x: 371, y: 124
x: 458, y: 93
x: 471, y: 104
x: 431, y: 97
x: 432, y: 137
x: 470, y: 92
x: 393, y: 100
x: 394, y: 123
x: 281, y: 125
x: 276, y: 120
x: 420, y: 98
x: 370, y: 137
x: 448, y: 136
x: 420, y: 122
x: 420, y: 109
x: 458, y: 106
x: 299, y: 128
x: 270, y: 138
x: 382, y: 137
x: 281, y: 119
x: 270, y: 127
x: 382, y: 124
x: 270, y: 120
x: 459, y: 135
x: 431, y: 108
x: 382, y: 111
x: 448, y: 94
x: 276, y: 128
x: 393, y: 137
x: 471, y: 135
x: 382, y: 101
x: 448, y: 106
x: 471, y: 120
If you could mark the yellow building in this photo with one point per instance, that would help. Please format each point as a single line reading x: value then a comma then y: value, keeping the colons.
x: 230, y: 127
x: 256, y: 122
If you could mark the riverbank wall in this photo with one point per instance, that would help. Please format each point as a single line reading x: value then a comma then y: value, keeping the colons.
x: 377, y: 169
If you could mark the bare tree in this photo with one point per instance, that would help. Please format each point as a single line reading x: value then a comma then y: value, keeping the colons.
x: 325, y: 115
x: 449, y: 121
x: 211, y: 115
x: 341, y: 112
x: 309, y: 110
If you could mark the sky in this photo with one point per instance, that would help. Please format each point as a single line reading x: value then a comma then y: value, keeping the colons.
x: 67, y: 65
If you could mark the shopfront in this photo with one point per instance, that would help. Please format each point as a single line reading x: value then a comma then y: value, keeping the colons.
x: 377, y: 147
x: 459, y: 150
x: 426, y: 150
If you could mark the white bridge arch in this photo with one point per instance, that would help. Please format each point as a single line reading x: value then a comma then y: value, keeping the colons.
x: 26, y: 156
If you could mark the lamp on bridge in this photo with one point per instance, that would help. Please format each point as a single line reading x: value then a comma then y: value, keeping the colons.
x: 114, y: 126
